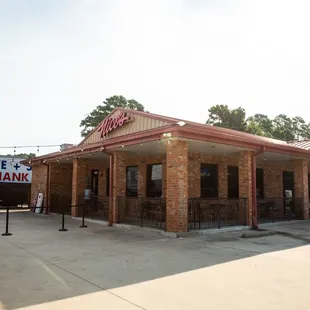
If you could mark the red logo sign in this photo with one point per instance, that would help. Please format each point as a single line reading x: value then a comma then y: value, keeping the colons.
x: 112, y: 123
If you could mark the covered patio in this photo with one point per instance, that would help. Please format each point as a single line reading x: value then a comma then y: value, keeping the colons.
x: 175, y: 175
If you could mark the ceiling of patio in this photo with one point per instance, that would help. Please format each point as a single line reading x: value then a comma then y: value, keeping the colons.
x: 275, y: 157
x: 85, y: 155
x: 159, y: 147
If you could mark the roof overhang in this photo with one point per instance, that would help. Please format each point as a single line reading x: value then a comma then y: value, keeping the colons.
x: 188, y: 131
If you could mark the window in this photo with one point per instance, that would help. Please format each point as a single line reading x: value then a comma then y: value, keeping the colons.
x: 132, y: 181
x: 260, y: 183
x: 108, y: 182
x: 208, y: 181
x: 154, y: 180
x: 233, y: 181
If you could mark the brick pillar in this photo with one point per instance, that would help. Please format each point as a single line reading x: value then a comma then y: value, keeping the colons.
x: 193, y: 176
x: 79, y: 175
x: 301, y: 185
x: 119, y: 185
x: 164, y: 179
x: 223, y: 180
x: 245, y: 182
x: 142, y: 180
x: 177, y: 186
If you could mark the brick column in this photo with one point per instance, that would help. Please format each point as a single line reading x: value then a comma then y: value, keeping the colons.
x: 79, y: 175
x: 245, y: 182
x: 177, y: 186
x: 193, y: 176
x: 119, y: 184
x: 223, y: 180
x: 142, y: 180
x: 301, y: 185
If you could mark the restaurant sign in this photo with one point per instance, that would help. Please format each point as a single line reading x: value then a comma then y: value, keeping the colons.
x: 112, y: 123
x: 12, y: 171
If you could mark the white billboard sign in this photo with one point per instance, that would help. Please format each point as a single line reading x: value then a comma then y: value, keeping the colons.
x: 12, y: 171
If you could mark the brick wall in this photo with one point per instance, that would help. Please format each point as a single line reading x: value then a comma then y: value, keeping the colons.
x: 273, y: 176
x: 39, y: 182
x: 245, y: 181
x: 119, y: 182
x: 61, y: 179
x: 301, y: 184
x: 79, y: 175
x: 177, y: 186
x: 102, y: 166
x: 194, y: 162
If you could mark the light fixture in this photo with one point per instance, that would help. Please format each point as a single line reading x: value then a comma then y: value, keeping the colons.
x: 82, y: 149
x: 167, y: 135
x: 122, y: 145
x: 181, y: 123
x: 102, y: 148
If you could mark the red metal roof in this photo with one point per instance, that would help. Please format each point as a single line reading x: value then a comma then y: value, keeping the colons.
x: 304, y: 144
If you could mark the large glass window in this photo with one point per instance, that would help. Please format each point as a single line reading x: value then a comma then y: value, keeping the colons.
x: 208, y: 181
x: 233, y: 181
x: 132, y: 181
x: 260, y: 183
x: 154, y: 180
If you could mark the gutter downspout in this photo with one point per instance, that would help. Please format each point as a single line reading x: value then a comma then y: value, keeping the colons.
x: 254, y: 200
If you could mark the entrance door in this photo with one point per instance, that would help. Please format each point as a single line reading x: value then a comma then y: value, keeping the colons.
x: 288, y: 192
x: 94, y: 182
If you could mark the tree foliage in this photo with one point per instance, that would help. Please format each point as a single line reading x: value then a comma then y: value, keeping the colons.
x: 281, y: 127
x: 101, y: 111
x: 222, y: 116
x: 21, y: 155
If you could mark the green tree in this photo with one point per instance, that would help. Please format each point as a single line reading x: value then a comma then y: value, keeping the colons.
x: 21, y: 155
x: 283, y: 128
x: 101, y: 111
x: 222, y: 116
x: 260, y: 125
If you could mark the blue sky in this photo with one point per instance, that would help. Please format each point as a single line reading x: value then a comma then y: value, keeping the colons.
x: 60, y: 59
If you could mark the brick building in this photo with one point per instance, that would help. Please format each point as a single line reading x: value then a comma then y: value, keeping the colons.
x: 176, y: 175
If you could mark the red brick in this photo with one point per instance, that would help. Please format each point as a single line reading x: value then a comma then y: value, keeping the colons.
x: 177, y: 186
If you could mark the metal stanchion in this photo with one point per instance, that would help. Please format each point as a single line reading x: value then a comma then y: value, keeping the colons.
x: 7, y: 223
x: 83, y: 217
x: 63, y: 221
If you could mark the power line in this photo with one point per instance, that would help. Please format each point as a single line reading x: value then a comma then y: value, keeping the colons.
x: 28, y: 146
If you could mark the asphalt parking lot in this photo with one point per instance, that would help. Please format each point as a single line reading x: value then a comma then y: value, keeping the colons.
x: 132, y: 268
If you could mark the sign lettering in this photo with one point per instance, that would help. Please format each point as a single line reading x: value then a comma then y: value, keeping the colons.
x: 14, y: 171
x: 112, y: 123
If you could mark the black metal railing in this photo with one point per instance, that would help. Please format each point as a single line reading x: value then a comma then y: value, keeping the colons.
x: 216, y: 212
x: 96, y: 207
x: 279, y: 209
x: 142, y: 211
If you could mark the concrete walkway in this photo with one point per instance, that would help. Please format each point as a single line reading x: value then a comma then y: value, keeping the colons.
x: 99, y: 267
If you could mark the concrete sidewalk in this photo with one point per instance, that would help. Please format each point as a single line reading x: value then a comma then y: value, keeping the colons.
x: 100, y: 267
